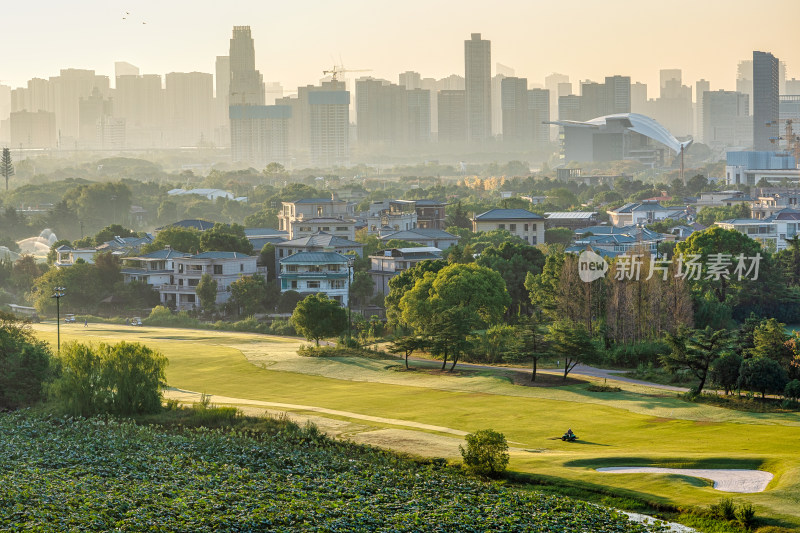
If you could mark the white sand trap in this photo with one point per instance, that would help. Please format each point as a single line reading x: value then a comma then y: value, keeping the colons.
x: 731, y: 480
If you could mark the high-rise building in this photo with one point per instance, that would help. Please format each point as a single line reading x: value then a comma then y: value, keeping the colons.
x: 792, y: 86
x: 33, y: 129
x: 726, y: 119
x: 700, y: 87
x: 569, y: 107
x: 539, y: 115
x: 765, y: 100
x: 744, y: 79
x: 558, y: 85
x: 419, y: 116
x: 94, y: 112
x: 329, y: 131
x: 497, y: 107
x: 669, y: 74
x: 639, y: 98
x: 452, y: 118
x: 222, y: 100
x: 618, y: 94
x: 593, y: 100
x: 478, y: 76
x: 410, y: 80
x: 123, y: 68
x: 139, y: 100
x: 189, y: 105
x: 246, y: 83
x: 272, y: 92
x: 68, y: 88
x: 514, y: 109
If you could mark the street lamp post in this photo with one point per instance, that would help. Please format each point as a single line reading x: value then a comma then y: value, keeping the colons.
x: 350, y: 262
x: 58, y: 293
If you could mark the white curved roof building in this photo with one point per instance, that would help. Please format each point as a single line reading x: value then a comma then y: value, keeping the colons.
x: 620, y: 136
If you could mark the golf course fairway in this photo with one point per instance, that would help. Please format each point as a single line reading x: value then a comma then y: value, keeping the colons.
x: 426, y: 412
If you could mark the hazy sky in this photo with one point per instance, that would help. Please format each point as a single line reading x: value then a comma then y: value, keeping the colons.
x: 296, y: 40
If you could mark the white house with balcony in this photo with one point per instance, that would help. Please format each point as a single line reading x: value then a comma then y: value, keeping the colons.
x: 223, y: 267
x: 645, y: 212
x: 156, y: 268
x: 316, y: 272
x: 772, y: 232
x: 312, y: 215
x: 391, y: 215
x: 66, y: 255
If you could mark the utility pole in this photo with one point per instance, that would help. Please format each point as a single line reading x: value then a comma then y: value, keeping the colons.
x: 58, y: 293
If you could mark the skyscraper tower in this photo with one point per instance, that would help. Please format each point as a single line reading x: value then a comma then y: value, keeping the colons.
x: 765, y: 100
x: 247, y: 84
x: 478, y: 74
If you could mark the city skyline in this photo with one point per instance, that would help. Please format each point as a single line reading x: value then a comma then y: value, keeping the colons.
x: 424, y: 37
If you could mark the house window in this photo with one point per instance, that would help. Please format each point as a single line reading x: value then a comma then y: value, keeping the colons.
x: 294, y: 284
x: 180, y: 268
x: 343, y: 228
x: 526, y: 227
x: 280, y: 252
x: 312, y: 284
x: 180, y: 283
x: 218, y: 269
x: 193, y: 282
x: 533, y: 227
x: 241, y: 267
x: 533, y: 239
x: 190, y: 298
x: 319, y: 211
x: 325, y: 228
x: 501, y: 226
x: 512, y: 227
x: 337, y: 284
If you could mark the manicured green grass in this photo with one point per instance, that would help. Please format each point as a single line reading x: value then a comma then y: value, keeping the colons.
x: 615, y: 428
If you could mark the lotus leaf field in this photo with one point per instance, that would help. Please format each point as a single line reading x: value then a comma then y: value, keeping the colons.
x: 60, y: 474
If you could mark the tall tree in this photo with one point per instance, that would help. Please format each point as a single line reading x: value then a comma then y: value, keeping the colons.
x: 530, y: 343
x: 225, y: 238
x: 317, y: 316
x: 446, y: 306
x: 248, y: 294
x: 514, y: 261
x: 207, y: 292
x: 6, y: 166
x: 571, y: 342
x: 695, y: 351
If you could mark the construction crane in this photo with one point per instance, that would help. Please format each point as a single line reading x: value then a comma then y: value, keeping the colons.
x: 335, y: 71
x: 792, y: 139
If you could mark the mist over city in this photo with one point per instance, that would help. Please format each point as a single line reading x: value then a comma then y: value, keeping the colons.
x: 422, y: 266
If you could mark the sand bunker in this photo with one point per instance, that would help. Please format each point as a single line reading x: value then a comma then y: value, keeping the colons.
x: 724, y: 480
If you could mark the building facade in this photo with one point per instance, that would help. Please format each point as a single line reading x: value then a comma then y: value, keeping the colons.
x: 317, y: 272
x: 520, y: 222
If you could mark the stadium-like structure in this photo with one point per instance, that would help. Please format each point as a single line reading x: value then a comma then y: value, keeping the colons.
x: 621, y: 136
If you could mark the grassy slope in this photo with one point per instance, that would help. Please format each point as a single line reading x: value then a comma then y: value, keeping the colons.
x: 616, y: 428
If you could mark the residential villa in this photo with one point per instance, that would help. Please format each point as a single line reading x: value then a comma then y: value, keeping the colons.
x: 318, y: 242
x: 312, y: 215
x: 424, y: 237
x: 156, y: 268
x: 390, y: 215
x: 316, y: 272
x: 570, y: 219
x: 430, y: 214
x: 772, y: 232
x: 389, y: 263
x: 66, y: 255
x: 520, y: 222
x: 645, y: 212
x: 223, y: 267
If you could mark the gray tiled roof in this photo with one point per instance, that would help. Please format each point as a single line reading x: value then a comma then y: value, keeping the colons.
x: 315, y: 257
x: 508, y: 214
x: 221, y: 255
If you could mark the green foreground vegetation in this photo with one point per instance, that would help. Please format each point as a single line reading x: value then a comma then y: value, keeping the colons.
x: 117, y: 475
x: 633, y: 427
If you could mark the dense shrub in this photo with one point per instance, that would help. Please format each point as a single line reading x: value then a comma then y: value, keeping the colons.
x: 745, y: 515
x: 486, y: 454
x: 633, y: 355
x: 124, y: 379
x: 25, y: 364
x: 161, y: 316
x: 792, y: 389
x: 724, y: 510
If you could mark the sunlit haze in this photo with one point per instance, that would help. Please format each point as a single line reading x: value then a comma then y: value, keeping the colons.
x: 295, y: 41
